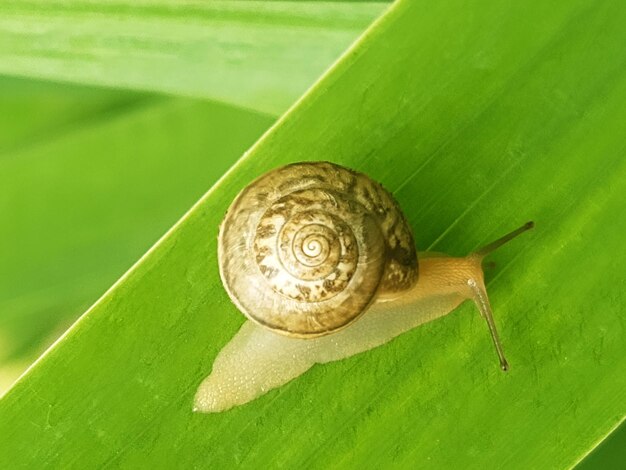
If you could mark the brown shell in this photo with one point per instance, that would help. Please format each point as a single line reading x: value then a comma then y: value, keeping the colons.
x: 305, y: 248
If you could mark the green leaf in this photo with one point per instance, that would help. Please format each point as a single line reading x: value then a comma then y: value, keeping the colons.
x: 478, y: 116
x: 33, y: 111
x: 256, y: 54
x: 610, y: 453
x: 96, y: 188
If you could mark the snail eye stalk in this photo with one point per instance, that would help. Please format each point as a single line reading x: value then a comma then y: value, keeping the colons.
x: 493, y: 246
x: 479, y: 292
x: 481, y: 300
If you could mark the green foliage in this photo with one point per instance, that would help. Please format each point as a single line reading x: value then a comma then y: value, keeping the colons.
x: 610, y: 454
x: 88, y: 186
x: 31, y: 111
x: 243, y: 46
x: 478, y: 117
x: 259, y: 55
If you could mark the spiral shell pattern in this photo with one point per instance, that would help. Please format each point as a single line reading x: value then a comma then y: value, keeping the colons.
x: 305, y: 248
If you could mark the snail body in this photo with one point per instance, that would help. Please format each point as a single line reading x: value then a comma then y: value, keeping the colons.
x: 322, y: 262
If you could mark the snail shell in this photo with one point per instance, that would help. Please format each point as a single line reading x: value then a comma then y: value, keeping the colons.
x: 305, y: 249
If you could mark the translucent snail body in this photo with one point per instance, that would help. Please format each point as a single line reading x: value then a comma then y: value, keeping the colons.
x: 287, y: 334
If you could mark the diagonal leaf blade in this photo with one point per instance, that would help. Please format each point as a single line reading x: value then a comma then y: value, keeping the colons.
x: 481, y: 119
x: 609, y: 453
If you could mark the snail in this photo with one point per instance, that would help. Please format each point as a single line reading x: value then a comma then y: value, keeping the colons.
x: 322, y: 262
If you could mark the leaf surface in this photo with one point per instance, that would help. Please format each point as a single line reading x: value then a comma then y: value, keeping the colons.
x: 478, y: 116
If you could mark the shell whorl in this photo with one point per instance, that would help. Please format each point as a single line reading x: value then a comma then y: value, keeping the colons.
x: 305, y: 248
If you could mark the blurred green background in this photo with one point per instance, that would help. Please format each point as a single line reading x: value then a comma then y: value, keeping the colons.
x: 90, y: 179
